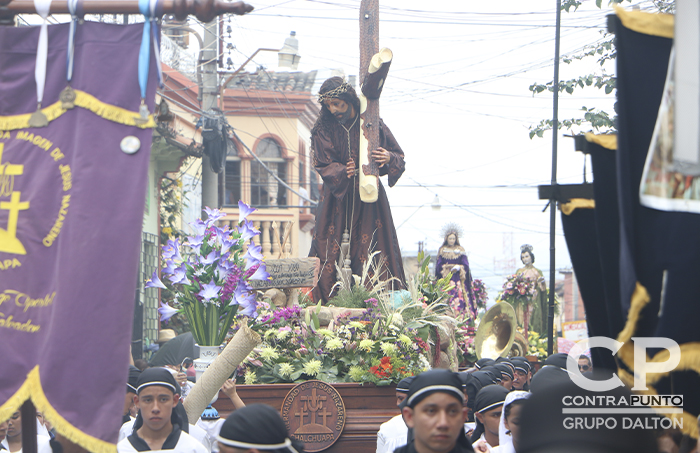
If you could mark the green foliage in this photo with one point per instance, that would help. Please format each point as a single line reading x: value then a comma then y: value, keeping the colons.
x: 604, y: 51
x: 597, y: 119
x: 355, y: 297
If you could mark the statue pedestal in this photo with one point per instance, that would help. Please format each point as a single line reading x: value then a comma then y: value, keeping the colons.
x: 366, y: 406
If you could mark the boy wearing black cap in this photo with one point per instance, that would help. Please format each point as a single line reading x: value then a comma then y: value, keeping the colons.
x: 159, y: 425
x: 256, y: 428
x: 393, y: 434
x: 487, y: 409
x: 434, y: 410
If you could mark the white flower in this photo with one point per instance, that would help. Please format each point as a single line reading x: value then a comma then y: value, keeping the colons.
x: 250, y: 377
x: 334, y: 343
x: 366, y: 345
x: 286, y: 369
x: 269, y: 353
x: 388, y: 348
x: 312, y: 367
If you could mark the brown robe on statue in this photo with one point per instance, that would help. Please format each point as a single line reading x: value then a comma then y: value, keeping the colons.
x: 371, y: 222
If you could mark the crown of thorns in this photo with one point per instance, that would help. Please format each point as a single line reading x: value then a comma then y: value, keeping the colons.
x: 334, y: 93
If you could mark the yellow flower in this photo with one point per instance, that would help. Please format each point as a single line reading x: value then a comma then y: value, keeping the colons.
x: 167, y: 230
x: 269, y: 353
x: 286, y: 369
x: 326, y: 332
x: 312, y: 367
x: 388, y: 348
x: 334, y: 343
x: 356, y: 324
x: 366, y: 345
x: 405, y: 340
x: 249, y: 377
x: 270, y: 333
x: 282, y: 334
x: 356, y: 372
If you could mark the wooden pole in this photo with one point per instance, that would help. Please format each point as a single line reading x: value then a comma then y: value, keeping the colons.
x: 552, y: 200
x: 204, y: 10
x: 28, y: 412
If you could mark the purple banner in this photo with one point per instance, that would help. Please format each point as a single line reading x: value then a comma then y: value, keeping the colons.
x: 71, y: 211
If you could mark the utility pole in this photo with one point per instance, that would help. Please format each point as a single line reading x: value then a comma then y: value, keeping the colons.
x: 210, y: 89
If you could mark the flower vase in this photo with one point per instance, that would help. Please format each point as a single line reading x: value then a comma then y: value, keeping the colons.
x: 207, y: 354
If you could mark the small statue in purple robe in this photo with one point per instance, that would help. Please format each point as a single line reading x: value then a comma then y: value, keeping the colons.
x: 452, y: 258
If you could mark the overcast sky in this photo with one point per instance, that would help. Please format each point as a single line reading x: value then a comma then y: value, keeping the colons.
x: 457, y: 100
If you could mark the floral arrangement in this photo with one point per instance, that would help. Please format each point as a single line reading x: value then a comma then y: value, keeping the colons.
x: 518, y: 290
x: 209, y: 275
x: 366, y: 348
x: 537, y: 345
x: 480, y: 293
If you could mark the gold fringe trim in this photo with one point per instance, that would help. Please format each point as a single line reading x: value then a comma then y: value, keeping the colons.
x: 688, y: 421
x: 654, y: 24
x: 31, y: 389
x: 86, y: 101
x: 640, y: 298
x: 607, y: 141
x: 576, y: 203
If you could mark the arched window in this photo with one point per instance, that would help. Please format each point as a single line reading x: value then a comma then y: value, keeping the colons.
x: 232, y: 175
x: 264, y: 187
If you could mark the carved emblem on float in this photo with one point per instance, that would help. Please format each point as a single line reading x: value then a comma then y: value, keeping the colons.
x: 314, y: 413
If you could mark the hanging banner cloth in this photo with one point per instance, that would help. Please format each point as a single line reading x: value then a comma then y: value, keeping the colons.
x: 659, y: 250
x: 71, y: 210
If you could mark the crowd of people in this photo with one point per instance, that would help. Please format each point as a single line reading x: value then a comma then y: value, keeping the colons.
x: 499, y: 406
x: 507, y: 406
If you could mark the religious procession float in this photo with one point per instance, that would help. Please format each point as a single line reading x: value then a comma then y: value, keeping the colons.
x: 331, y: 369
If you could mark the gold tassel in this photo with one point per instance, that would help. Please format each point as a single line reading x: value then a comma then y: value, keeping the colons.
x: 31, y: 389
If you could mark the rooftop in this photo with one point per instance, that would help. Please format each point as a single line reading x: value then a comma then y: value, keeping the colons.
x: 262, y: 80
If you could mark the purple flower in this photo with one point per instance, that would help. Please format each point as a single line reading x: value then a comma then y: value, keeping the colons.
x: 169, y: 268
x: 209, y: 259
x: 166, y: 312
x: 230, y: 284
x: 155, y: 282
x: 247, y: 230
x: 254, y: 252
x: 244, y: 211
x: 224, y: 268
x: 195, y: 242
x: 250, y: 262
x: 199, y: 227
x: 171, y: 250
x: 261, y: 274
x: 180, y: 275
x: 244, y: 296
x: 210, y: 290
x: 213, y: 215
x: 226, y: 243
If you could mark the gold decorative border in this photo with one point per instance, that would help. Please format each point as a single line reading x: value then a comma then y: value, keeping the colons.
x: 607, y: 141
x: 31, y: 389
x: 690, y: 357
x: 576, y: 203
x: 86, y: 101
x: 654, y: 24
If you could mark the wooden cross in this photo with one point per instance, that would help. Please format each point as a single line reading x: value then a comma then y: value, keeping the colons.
x: 374, y: 66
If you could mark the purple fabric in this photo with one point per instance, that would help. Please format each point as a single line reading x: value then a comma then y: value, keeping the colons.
x: 82, y: 344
